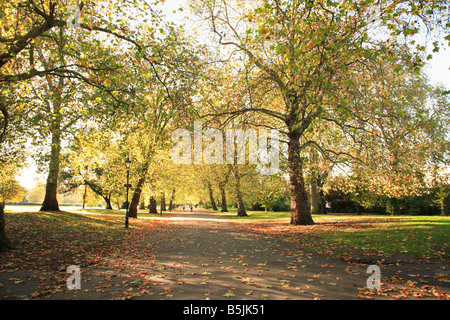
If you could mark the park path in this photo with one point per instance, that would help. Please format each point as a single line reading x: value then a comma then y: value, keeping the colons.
x: 199, y: 256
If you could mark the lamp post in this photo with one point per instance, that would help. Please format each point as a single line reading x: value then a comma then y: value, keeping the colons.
x: 127, y: 165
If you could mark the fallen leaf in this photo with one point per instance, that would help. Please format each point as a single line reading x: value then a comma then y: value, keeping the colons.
x: 229, y: 294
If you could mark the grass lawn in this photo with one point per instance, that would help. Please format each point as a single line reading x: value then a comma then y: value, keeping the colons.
x: 424, y: 237
x: 76, y: 235
x: 46, y: 239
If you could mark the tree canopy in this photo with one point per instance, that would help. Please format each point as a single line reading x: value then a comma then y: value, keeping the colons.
x: 342, y: 83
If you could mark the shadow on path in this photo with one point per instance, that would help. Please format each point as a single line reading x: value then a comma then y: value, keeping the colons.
x: 197, y: 256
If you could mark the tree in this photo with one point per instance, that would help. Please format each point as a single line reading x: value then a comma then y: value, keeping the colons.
x: 93, y: 160
x: 308, y: 53
x: 61, y: 56
x: 272, y: 189
x: 441, y: 188
x: 36, y: 194
x: 222, y: 179
x: 160, y: 98
x: 9, y: 188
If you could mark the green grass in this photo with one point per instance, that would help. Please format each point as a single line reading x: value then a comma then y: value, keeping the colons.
x: 381, y: 235
x: 427, y: 237
x: 253, y: 215
x: 63, y: 238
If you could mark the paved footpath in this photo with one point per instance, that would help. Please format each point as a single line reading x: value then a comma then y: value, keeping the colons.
x: 200, y: 256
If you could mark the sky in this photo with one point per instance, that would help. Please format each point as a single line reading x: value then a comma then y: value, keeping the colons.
x: 438, y: 70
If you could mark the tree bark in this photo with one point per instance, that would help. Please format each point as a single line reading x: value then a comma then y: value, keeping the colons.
x: 172, y: 200
x: 240, y: 203
x: 313, y: 196
x: 133, y: 208
x: 84, y: 196
x: 106, y: 195
x: 4, y: 242
x: 108, y: 201
x: 5, y: 120
x: 50, y: 202
x: 223, y: 203
x: 211, y: 197
x: 323, y: 202
x: 152, y: 205
x: 163, y: 202
x: 300, y: 213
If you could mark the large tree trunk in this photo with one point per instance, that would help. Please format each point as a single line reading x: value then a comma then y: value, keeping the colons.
x: 172, y: 200
x: 300, y: 213
x: 211, y: 197
x: 50, y: 202
x: 56, y: 102
x: 313, y: 196
x: 133, y: 208
x: 4, y: 242
x: 108, y: 201
x: 223, y: 202
x: 163, y: 201
x: 84, y: 196
x: 152, y: 205
x: 323, y: 202
x: 240, y: 203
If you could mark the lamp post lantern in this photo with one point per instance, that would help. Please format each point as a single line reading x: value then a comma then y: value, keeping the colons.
x: 127, y: 165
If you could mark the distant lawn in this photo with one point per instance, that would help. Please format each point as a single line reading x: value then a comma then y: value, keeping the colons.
x: 253, y: 215
x: 141, y: 213
x: 425, y: 237
x: 70, y: 208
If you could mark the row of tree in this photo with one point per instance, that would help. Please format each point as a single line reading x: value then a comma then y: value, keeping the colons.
x: 341, y: 82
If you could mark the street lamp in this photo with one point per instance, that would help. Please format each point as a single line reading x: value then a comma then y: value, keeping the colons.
x: 127, y: 165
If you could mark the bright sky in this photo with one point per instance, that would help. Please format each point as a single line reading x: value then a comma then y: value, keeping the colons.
x: 438, y: 70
